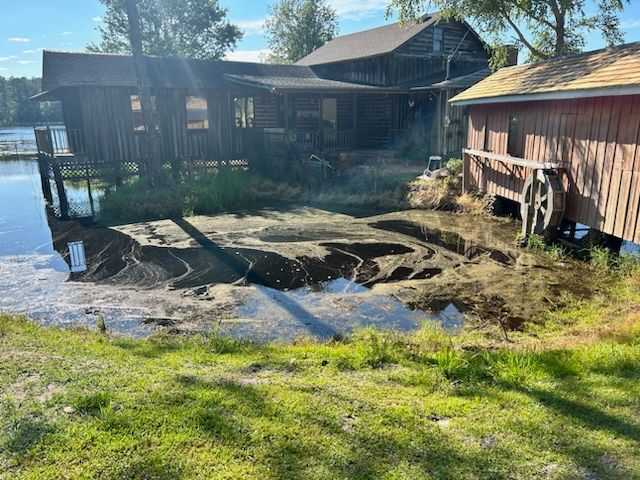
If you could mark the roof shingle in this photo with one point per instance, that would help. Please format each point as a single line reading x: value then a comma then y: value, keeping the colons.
x: 369, y: 43
x: 608, y: 71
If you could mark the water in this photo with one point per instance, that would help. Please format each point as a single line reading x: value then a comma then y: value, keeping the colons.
x: 269, y: 275
x: 17, y: 141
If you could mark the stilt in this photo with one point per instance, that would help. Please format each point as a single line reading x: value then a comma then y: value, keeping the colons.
x: 43, y: 168
x: 62, y: 194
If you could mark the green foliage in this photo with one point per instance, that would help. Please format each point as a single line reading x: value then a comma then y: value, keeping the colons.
x: 544, y: 28
x: 185, y: 28
x: 101, y: 325
x: 538, y: 244
x: 605, y: 262
x: 377, y: 348
x: 413, y: 151
x: 451, y: 362
x: 16, y: 107
x: 454, y: 165
x: 298, y: 27
x: 200, y: 194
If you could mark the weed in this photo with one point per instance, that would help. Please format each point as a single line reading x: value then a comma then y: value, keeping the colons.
x: 454, y: 166
x: 376, y: 347
x: 101, y: 324
x: 450, y: 361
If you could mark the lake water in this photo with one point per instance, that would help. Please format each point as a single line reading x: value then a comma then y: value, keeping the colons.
x: 17, y: 140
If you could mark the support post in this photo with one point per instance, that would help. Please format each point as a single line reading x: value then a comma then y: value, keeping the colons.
x: 62, y: 194
x: 43, y: 168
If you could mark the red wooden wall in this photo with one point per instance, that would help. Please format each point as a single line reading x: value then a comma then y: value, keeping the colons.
x: 594, y: 139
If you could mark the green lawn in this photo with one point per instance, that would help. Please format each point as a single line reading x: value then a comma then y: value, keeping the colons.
x: 75, y: 404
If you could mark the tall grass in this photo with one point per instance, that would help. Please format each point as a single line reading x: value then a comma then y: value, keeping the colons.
x: 206, y: 193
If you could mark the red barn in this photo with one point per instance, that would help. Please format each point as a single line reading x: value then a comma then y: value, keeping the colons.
x: 561, y: 138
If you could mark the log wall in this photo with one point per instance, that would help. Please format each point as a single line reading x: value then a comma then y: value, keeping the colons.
x: 596, y: 140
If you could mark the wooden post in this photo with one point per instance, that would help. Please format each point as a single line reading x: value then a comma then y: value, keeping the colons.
x: 62, y: 194
x: 43, y: 168
x: 148, y: 114
x: 355, y: 121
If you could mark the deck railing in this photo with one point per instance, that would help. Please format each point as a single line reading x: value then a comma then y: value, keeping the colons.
x: 317, y: 140
x: 57, y: 141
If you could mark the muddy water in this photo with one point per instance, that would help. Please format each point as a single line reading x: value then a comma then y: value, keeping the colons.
x: 266, y: 275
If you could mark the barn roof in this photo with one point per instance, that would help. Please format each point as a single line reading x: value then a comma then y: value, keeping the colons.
x: 368, y: 43
x: 611, y: 71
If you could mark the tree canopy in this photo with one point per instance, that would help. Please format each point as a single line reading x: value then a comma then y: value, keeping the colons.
x: 298, y: 27
x: 186, y: 28
x: 17, y: 108
x: 544, y: 28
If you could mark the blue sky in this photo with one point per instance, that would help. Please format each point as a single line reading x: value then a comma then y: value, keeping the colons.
x: 28, y: 26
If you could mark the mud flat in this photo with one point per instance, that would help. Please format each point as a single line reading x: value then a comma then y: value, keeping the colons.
x: 283, y: 274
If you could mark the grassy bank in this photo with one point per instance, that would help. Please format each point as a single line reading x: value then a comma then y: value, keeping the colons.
x: 137, y: 200
x: 558, y: 405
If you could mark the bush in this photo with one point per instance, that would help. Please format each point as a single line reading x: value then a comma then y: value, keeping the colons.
x: 606, y: 262
x: 205, y: 193
x: 454, y: 166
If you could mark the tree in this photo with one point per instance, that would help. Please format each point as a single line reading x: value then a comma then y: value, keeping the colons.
x: 544, y: 28
x: 185, y: 28
x: 298, y: 27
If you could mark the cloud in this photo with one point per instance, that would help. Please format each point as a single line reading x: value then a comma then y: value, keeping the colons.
x: 248, y: 55
x: 359, y: 9
x: 33, y: 50
x: 66, y: 34
x: 630, y: 23
x: 251, y: 27
x: 96, y: 19
x: 2, y: 69
x: 19, y: 39
x: 4, y: 59
x: 26, y: 62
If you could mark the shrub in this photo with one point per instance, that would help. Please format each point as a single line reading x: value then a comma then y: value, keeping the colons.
x: 454, y: 166
x: 205, y: 193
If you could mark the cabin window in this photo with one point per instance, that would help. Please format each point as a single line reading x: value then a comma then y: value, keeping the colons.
x: 136, y: 112
x: 515, y: 140
x: 437, y: 40
x: 197, y: 113
x: 330, y: 113
x: 244, y: 112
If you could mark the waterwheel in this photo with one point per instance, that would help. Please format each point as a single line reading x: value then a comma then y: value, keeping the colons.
x: 543, y: 202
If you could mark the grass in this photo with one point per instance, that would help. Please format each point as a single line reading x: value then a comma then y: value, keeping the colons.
x: 75, y: 404
x: 229, y: 190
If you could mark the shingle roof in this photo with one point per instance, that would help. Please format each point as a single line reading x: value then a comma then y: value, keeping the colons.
x: 463, y: 81
x: 64, y: 69
x: 611, y: 71
x: 369, y: 43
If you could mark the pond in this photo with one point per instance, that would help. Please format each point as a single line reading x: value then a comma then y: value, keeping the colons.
x: 270, y: 274
x: 17, y: 141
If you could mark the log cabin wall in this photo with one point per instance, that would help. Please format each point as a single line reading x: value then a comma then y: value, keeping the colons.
x: 105, y: 116
x: 596, y: 140
x: 414, y: 60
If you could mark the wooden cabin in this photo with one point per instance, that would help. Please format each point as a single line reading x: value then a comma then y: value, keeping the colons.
x: 575, y: 118
x: 364, y: 91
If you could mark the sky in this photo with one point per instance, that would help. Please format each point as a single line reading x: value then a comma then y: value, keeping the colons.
x: 29, y: 26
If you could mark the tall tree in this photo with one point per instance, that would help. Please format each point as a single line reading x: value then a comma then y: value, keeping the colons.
x: 298, y: 27
x: 544, y: 28
x: 186, y: 28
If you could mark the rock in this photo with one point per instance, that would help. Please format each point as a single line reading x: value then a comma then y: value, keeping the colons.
x: 68, y: 409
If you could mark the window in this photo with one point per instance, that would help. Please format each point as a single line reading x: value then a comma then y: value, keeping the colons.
x: 515, y: 140
x: 136, y: 112
x: 245, y: 112
x: 437, y: 40
x: 330, y: 113
x: 197, y: 113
